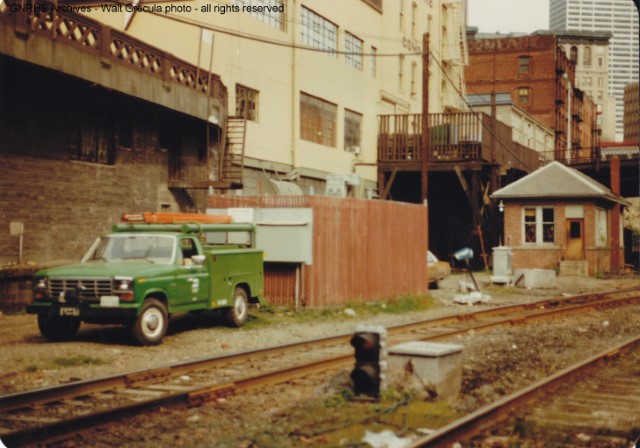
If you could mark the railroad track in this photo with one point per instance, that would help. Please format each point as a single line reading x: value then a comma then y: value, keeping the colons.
x: 593, y: 403
x: 50, y: 414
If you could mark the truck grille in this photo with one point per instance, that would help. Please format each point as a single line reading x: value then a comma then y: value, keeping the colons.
x: 92, y: 288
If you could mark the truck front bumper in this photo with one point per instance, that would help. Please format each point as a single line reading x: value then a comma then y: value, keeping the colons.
x: 83, y: 310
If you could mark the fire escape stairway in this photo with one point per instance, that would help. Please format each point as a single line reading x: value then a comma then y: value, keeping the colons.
x: 233, y: 157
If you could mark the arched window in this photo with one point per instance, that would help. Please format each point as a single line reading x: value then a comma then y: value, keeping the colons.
x: 573, y: 54
x: 524, y: 96
x: 586, y: 57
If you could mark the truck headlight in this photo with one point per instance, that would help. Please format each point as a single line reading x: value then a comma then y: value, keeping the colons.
x: 41, y: 288
x: 123, y: 286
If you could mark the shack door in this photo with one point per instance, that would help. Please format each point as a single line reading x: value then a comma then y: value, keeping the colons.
x: 575, y: 239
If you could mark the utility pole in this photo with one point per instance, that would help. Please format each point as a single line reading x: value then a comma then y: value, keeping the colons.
x: 424, y: 162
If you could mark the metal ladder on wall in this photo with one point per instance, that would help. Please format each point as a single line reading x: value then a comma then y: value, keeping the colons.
x: 233, y: 157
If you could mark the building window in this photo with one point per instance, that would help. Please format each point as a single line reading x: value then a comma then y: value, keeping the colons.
x: 401, y: 72
x: 600, y: 61
x: 95, y: 142
x: 275, y: 18
x: 318, y: 120
x: 573, y: 54
x: 414, y: 75
x: 538, y: 225
x: 318, y: 32
x: 586, y: 56
x: 353, y: 51
x: 414, y: 7
x: 374, y: 61
x: 524, y: 64
x: 246, y: 103
x: 524, y: 96
x: 352, y: 131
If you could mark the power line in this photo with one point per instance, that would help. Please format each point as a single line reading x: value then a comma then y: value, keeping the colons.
x: 279, y: 43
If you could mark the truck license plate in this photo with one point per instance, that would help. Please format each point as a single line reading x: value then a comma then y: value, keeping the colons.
x: 109, y: 301
x: 69, y: 311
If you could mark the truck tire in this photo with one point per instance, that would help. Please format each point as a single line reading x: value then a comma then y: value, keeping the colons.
x: 58, y: 328
x: 236, y: 316
x: 151, y: 325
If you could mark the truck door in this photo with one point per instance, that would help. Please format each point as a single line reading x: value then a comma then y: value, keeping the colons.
x: 192, y: 280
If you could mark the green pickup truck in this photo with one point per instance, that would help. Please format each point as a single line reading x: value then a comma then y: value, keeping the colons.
x: 140, y: 274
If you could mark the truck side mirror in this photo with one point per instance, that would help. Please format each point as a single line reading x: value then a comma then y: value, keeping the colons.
x: 198, y: 259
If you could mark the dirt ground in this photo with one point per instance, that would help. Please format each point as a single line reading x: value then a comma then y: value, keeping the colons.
x: 494, y: 364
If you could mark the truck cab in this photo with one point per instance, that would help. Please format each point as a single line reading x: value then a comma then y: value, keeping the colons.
x: 143, y: 272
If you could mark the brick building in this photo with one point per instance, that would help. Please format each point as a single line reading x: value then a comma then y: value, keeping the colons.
x: 556, y: 215
x: 541, y: 80
x: 88, y: 134
x: 632, y: 113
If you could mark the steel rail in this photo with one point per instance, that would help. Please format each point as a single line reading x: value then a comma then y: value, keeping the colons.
x: 210, y: 392
x: 18, y: 400
x: 485, y: 417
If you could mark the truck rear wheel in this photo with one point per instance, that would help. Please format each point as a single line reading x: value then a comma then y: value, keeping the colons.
x: 237, y: 314
x: 58, y: 328
x: 151, y: 325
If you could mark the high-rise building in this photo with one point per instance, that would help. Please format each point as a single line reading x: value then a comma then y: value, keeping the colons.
x: 620, y: 17
x: 632, y: 113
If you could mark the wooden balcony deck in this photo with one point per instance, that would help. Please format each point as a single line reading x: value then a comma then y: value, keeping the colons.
x: 455, y: 139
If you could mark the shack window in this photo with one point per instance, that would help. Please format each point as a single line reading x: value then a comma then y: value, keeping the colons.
x: 538, y: 225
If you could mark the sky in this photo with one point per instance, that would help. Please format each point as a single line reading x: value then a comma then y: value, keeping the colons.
x: 508, y: 16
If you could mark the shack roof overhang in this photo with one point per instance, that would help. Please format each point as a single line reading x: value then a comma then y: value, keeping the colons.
x: 556, y: 181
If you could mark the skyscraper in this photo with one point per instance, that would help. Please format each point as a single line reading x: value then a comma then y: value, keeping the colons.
x: 620, y: 17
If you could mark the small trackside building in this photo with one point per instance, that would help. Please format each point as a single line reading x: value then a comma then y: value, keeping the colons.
x: 557, y: 217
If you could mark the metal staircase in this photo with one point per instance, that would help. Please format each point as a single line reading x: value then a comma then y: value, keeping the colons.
x: 233, y: 156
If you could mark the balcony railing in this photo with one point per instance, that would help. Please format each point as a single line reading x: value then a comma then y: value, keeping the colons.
x: 453, y: 137
x: 589, y: 155
x: 111, y: 45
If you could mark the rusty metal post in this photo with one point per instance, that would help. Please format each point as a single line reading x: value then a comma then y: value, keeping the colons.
x: 424, y: 162
x: 614, y: 166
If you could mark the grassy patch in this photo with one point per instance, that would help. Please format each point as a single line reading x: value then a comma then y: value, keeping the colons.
x: 62, y: 363
x: 77, y: 361
x: 338, y: 421
x: 272, y: 314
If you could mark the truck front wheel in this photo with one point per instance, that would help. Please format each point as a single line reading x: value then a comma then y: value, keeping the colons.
x: 237, y: 314
x: 58, y: 328
x: 151, y: 325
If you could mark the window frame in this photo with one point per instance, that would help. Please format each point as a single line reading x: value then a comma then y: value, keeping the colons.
x: 319, y: 127
x: 353, y: 47
x: 275, y: 20
x: 318, y: 32
x: 524, y: 92
x: 242, y: 112
x: 540, y: 224
x: 351, y: 117
x: 524, y: 65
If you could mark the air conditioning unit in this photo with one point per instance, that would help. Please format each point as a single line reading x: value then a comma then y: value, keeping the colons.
x: 344, y: 185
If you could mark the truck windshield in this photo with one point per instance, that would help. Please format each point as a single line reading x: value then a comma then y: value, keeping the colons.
x: 151, y: 248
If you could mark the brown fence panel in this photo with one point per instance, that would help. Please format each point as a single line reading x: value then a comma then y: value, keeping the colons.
x: 362, y: 249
